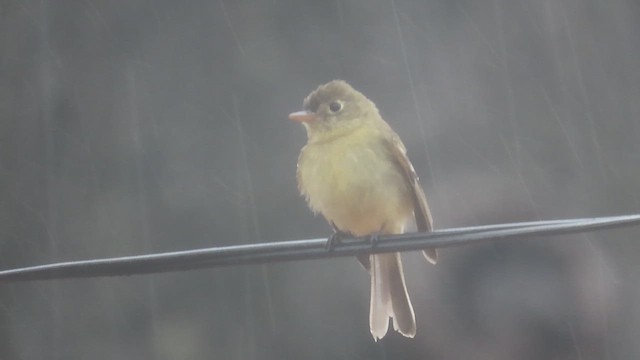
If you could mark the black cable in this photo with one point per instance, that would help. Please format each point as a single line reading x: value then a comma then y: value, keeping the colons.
x: 307, y: 249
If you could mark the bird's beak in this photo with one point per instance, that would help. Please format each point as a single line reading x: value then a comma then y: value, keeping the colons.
x: 303, y: 116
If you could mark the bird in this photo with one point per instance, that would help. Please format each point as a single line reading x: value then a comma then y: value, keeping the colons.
x: 354, y: 170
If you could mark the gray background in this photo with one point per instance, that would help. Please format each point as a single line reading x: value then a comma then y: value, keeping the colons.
x: 130, y: 127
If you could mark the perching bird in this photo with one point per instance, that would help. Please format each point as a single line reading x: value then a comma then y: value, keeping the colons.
x: 355, y: 172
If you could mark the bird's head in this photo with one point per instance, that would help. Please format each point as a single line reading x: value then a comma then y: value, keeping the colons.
x: 334, y: 109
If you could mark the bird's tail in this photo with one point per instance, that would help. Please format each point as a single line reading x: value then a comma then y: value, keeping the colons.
x: 389, y: 297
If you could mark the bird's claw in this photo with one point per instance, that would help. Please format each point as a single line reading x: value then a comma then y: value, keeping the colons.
x: 334, y: 239
x: 373, y: 239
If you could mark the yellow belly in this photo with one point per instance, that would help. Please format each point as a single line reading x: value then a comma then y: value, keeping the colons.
x: 354, y: 182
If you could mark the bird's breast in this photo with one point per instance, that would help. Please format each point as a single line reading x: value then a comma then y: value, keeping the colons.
x: 354, y: 182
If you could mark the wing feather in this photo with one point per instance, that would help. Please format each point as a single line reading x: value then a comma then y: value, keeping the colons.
x: 422, y: 214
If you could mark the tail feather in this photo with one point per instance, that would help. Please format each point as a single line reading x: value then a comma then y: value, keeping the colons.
x: 389, y: 297
x: 404, y: 319
x: 380, y: 299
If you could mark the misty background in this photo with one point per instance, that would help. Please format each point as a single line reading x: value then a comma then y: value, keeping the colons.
x: 132, y: 127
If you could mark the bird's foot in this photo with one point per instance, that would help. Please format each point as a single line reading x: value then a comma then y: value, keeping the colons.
x: 373, y: 239
x: 335, y: 238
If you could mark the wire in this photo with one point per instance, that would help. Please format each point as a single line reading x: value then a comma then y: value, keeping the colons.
x: 308, y: 249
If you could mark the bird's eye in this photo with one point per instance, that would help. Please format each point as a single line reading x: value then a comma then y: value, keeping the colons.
x: 335, y: 106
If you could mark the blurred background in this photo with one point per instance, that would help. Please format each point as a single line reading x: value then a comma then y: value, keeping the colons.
x: 132, y: 127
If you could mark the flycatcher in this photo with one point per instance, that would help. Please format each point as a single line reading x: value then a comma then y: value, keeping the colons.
x: 354, y: 170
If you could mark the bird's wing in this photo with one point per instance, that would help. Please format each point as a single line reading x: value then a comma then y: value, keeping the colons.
x: 422, y: 214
